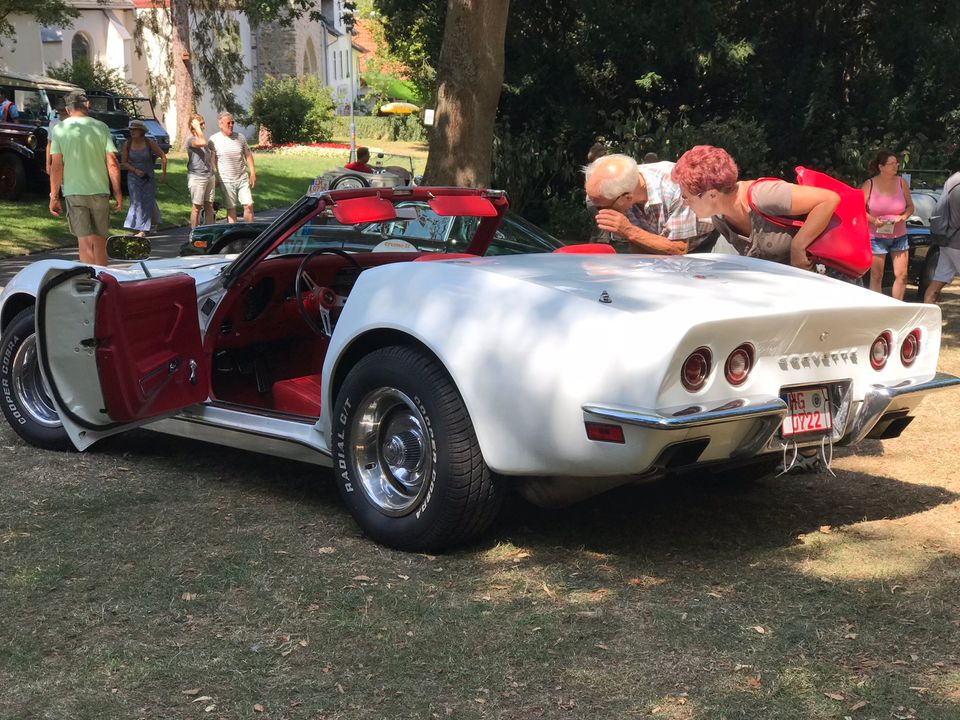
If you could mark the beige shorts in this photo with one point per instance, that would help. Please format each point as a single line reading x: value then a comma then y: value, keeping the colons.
x: 236, y: 193
x: 88, y: 215
x: 202, y: 189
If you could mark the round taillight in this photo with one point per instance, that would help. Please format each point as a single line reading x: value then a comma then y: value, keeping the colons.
x: 880, y: 350
x: 910, y: 348
x: 696, y: 369
x: 739, y: 364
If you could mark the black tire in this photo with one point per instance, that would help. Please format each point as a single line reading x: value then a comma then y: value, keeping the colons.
x: 13, y: 176
x: 26, y: 404
x: 349, y: 181
x: 927, y: 271
x: 232, y: 243
x: 421, y: 429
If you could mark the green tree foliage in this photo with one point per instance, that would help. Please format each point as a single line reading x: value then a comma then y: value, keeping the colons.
x: 413, y: 30
x: 294, y: 110
x: 779, y: 84
x: 91, y: 76
x: 45, y: 12
x: 216, y: 52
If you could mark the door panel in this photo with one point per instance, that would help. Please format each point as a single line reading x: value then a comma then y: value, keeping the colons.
x: 149, y: 354
x: 119, y: 354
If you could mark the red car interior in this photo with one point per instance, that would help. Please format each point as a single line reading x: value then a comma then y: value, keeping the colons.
x: 263, y: 352
x: 258, y: 350
x: 148, y: 353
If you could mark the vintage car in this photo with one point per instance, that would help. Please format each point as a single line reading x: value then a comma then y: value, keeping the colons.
x: 432, y: 383
x: 428, y: 232
x: 118, y: 110
x: 387, y: 172
x: 23, y: 143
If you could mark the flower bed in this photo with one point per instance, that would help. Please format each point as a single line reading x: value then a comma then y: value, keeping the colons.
x: 323, y: 148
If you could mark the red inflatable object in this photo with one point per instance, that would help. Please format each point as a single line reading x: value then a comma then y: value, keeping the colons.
x: 845, y: 243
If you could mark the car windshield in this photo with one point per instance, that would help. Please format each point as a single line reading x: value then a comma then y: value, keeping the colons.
x: 416, y: 229
x: 32, y: 105
x: 138, y: 108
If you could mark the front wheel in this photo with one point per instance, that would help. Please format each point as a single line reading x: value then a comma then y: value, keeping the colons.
x: 407, y: 461
x: 26, y: 401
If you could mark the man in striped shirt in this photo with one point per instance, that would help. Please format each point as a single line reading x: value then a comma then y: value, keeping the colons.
x: 234, y: 165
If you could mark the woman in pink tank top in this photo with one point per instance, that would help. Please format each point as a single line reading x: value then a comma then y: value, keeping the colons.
x: 888, y: 206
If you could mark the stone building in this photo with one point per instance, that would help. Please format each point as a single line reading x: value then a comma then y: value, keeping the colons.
x: 105, y: 32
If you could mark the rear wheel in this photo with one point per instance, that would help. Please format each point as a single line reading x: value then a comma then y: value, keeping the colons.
x: 349, y: 182
x: 13, y: 176
x: 407, y: 461
x: 26, y: 400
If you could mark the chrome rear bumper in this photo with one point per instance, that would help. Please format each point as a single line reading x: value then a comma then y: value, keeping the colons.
x: 767, y: 413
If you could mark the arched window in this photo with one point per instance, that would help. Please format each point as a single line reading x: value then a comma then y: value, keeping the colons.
x: 309, y: 59
x: 80, y: 47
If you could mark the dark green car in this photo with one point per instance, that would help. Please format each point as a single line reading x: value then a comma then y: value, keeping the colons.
x: 420, y: 230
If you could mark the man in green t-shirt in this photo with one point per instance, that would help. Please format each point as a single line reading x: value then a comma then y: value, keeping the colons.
x: 83, y: 162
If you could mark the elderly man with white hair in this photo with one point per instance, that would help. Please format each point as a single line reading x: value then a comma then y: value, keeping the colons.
x: 641, y: 204
x: 233, y: 162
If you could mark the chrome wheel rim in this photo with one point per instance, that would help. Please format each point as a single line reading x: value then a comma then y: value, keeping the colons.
x: 349, y: 183
x: 391, y: 451
x: 29, y: 387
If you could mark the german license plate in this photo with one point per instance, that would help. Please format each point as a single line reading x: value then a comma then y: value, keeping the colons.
x: 808, y: 412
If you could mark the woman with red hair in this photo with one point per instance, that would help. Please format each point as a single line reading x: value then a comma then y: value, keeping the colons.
x: 710, y: 186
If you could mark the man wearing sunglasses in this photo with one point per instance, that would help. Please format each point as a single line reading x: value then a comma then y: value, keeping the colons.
x: 234, y: 164
x: 641, y: 204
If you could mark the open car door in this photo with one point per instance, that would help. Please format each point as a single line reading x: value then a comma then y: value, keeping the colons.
x: 117, y: 355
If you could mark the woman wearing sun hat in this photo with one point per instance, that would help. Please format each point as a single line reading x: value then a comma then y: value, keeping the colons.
x: 137, y: 158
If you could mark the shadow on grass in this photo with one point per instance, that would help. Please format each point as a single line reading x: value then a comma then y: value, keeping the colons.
x: 698, y: 517
x: 694, y: 516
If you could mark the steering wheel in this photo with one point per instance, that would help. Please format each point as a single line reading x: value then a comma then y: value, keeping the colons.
x: 326, y: 298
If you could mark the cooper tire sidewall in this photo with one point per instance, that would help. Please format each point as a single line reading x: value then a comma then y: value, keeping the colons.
x: 20, y: 329
x: 396, y: 531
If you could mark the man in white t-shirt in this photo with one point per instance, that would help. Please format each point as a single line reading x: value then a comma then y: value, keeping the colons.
x: 234, y: 165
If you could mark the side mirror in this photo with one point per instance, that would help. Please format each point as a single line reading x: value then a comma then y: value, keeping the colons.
x: 128, y: 248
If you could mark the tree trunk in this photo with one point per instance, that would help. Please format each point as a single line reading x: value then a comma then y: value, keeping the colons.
x: 182, y: 66
x: 469, y: 76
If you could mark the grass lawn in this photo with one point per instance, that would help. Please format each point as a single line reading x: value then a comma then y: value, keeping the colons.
x: 157, y: 577
x: 26, y: 226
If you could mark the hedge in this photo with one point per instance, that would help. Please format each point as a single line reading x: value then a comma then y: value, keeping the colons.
x: 381, y: 128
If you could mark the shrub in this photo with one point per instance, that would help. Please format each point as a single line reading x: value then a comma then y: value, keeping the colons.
x: 531, y: 167
x: 294, y: 110
x: 639, y: 133
x: 409, y: 128
x: 91, y: 76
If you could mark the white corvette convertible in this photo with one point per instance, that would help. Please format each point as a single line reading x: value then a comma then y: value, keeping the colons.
x: 430, y: 387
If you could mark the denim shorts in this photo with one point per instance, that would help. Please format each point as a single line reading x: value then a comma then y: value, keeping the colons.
x: 884, y: 245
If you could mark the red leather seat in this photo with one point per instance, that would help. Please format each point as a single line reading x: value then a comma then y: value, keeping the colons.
x: 298, y: 396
